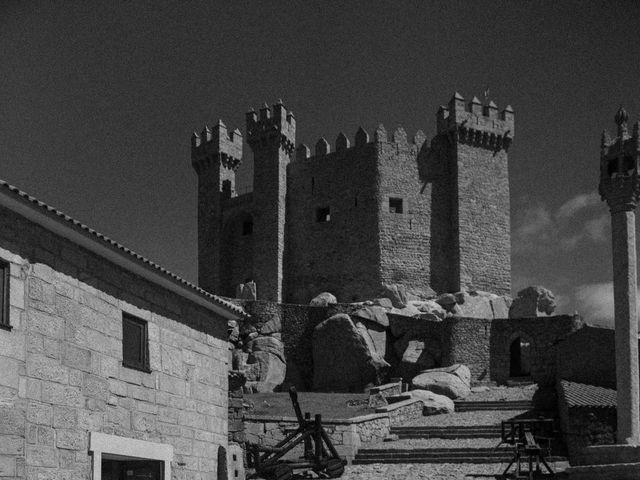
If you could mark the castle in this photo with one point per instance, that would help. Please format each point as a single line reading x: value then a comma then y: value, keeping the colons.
x: 430, y: 215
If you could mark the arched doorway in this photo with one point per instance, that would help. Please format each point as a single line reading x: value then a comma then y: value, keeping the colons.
x: 520, y: 357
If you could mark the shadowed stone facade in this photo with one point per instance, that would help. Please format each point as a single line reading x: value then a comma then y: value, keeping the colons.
x: 64, y: 388
x: 387, y: 210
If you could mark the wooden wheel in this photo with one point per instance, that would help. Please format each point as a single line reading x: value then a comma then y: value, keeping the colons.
x: 282, y: 472
x: 334, y: 468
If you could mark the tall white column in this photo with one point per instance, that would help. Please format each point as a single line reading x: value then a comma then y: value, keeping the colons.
x: 623, y: 232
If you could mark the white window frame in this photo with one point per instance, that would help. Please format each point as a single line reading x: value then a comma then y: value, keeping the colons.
x: 127, y: 449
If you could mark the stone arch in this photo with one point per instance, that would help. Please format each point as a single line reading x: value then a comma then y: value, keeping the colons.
x: 521, y: 354
x: 236, y: 259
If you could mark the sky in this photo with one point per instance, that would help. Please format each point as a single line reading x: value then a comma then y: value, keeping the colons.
x: 98, y: 101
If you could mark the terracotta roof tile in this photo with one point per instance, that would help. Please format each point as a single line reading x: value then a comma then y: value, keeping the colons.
x: 583, y: 395
x: 112, y: 243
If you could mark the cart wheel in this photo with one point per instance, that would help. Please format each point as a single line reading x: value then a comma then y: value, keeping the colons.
x: 282, y: 472
x: 335, y: 468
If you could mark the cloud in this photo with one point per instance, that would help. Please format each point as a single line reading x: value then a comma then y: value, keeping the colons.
x: 535, y: 221
x: 598, y: 228
x: 594, y: 303
x: 572, y: 206
x: 538, y: 229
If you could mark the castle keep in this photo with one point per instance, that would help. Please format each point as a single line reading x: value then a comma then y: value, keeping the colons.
x: 387, y: 210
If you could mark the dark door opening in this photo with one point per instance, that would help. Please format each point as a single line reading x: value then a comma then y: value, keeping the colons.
x: 520, y: 358
x: 132, y: 470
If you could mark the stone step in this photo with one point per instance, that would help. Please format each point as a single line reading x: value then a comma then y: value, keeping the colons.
x: 441, y: 456
x: 435, y: 451
x: 466, y: 406
x: 445, y: 428
x: 480, y: 431
x: 619, y: 471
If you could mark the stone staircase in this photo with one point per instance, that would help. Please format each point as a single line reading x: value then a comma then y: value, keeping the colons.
x: 456, y: 441
x: 468, y: 406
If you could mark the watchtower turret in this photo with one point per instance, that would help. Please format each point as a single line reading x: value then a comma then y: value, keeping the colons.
x: 271, y: 134
x: 475, y: 138
x: 216, y: 154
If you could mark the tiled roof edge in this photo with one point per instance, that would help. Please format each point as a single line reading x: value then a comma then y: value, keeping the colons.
x: 89, y: 232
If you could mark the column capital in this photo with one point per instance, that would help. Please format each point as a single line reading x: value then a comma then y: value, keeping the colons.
x: 621, y: 193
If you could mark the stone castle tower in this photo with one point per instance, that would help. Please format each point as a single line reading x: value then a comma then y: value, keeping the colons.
x: 387, y: 210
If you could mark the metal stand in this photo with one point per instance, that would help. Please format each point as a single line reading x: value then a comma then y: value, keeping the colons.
x: 525, y: 436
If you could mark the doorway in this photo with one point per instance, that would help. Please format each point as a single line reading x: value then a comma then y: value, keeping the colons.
x: 132, y: 469
x: 520, y: 358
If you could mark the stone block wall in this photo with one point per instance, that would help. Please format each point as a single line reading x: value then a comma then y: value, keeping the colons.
x: 586, y: 426
x: 543, y: 333
x: 405, y: 237
x: 596, y: 368
x: 347, y: 436
x: 481, y: 344
x: 484, y: 228
x: 62, y: 376
x: 484, y: 345
x: 386, y: 211
x: 342, y: 255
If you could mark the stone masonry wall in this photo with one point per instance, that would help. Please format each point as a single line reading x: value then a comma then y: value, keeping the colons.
x: 483, y: 219
x: 341, y: 255
x: 484, y: 345
x: 596, y: 368
x: 585, y: 426
x: 543, y: 333
x: 347, y: 436
x: 210, y: 180
x: 405, y: 238
x: 62, y: 373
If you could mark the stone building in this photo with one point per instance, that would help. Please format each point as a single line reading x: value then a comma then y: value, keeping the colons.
x: 388, y: 210
x: 108, y: 362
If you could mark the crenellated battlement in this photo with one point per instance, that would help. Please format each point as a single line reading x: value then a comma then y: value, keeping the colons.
x: 271, y: 126
x: 216, y: 145
x: 343, y: 144
x: 477, y: 124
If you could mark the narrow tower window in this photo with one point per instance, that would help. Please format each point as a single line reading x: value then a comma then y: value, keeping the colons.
x: 247, y: 227
x: 313, y: 184
x: 323, y: 215
x: 395, y: 205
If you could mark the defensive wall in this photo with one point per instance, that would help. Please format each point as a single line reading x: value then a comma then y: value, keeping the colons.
x: 387, y: 210
x: 481, y: 344
x: 65, y: 393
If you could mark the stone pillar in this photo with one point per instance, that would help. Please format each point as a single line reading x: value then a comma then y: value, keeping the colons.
x: 623, y: 233
x: 620, y: 187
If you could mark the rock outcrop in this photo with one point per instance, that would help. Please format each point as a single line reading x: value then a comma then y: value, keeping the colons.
x: 323, y: 299
x: 475, y: 304
x: 344, y: 359
x: 449, y: 381
x: 534, y: 301
x: 266, y: 366
x: 434, y: 404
